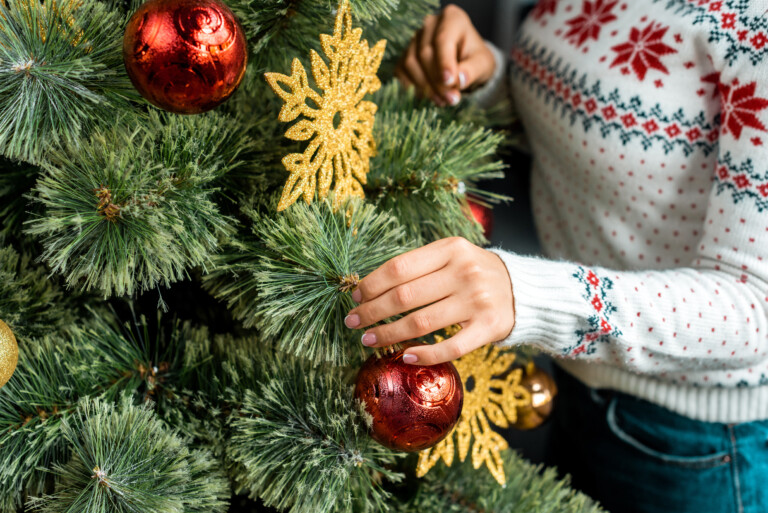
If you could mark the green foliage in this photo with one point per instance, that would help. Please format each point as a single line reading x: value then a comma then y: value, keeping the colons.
x: 279, y: 30
x: 398, y: 29
x: 301, y: 444
x: 30, y: 303
x: 31, y: 403
x: 126, y: 461
x: 61, y: 74
x: 529, y: 489
x: 133, y: 208
x: 54, y: 373
x: 294, y: 279
x: 424, y: 168
x: 16, y: 180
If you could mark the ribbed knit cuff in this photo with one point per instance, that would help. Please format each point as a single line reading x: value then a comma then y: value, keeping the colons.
x: 548, y: 305
x: 496, y: 90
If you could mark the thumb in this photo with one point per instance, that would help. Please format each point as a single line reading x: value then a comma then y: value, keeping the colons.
x: 476, y: 69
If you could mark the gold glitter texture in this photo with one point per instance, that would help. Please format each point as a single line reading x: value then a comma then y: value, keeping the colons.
x: 338, y: 123
x: 9, y: 353
x: 492, y: 395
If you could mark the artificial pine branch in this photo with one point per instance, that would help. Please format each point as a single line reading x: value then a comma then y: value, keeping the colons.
x: 53, y: 374
x: 424, y: 168
x: 31, y: 404
x: 300, y: 443
x: 295, y: 277
x: 16, y: 180
x: 278, y: 30
x: 133, y: 207
x: 125, y: 460
x: 529, y: 489
x: 31, y: 303
x: 398, y: 28
x: 61, y: 74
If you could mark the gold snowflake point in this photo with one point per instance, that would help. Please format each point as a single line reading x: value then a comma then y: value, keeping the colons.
x: 492, y: 395
x: 338, y: 123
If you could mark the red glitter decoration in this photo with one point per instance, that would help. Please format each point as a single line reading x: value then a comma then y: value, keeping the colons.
x: 185, y: 56
x: 413, y: 407
x: 482, y: 215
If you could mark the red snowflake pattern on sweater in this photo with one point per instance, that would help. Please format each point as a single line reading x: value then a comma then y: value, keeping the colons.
x: 644, y: 50
x: 544, y: 7
x: 587, y: 25
x: 739, y: 108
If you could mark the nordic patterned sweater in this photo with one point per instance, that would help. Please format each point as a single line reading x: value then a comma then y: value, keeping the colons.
x: 648, y: 125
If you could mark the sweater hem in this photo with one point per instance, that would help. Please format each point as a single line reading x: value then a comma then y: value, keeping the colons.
x: 707, y: 404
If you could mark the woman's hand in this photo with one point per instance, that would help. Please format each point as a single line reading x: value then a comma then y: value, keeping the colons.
x: 445, y: 57
x: 455, y: 282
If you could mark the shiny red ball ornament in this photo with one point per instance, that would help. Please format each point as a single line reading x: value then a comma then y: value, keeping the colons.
x: 482, y: 215
x: 413, y: 407
x: 185, y: 56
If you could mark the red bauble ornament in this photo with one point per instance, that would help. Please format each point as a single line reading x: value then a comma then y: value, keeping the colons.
x: 482, y: 215
x: 413, y: 407
x: 185, y: 56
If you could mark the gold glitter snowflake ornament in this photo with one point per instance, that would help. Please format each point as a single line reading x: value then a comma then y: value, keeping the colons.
x: 337, y: 123
x: 492, y: 395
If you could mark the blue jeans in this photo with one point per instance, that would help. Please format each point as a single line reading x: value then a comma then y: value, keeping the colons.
x: 634, y: 456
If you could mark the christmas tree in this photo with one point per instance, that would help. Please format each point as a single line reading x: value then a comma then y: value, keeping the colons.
x: 177, y: 283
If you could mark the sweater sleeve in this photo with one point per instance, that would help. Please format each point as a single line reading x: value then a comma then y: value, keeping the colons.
x: 709, y: 315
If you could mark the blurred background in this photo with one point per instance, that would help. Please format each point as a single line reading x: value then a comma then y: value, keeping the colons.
x: 497, y: 21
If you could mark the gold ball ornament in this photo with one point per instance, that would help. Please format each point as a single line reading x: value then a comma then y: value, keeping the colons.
x: 9, y: 353
x: 543, y: 390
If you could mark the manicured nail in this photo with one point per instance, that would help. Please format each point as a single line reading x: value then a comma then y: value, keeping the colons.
x: 410, y: 358
x: 368, y: 339
x: 352, y: 321
x: 462, y: 80
x: 453, y: 99
x: 448, y: 77
x: 357, y: 296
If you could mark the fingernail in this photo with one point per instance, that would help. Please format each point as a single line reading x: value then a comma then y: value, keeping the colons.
x: 453, y: 99
x: 352, y: 321
x: 410, y: 358
x: 368, y: 339
x: 357, y: 296
x: 462, y: 80
x: 448, y: 77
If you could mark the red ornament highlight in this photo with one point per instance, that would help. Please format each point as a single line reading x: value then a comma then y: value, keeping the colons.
x: 185, y: 56
x: 413, y: 407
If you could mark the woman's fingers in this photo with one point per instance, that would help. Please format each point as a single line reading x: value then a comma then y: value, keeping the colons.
x: 476, y: 66
x: 411, y: 66
x: 417, y: 324
x: 405, y: 268
x: 403, y: 298
x: 425, y: 53
x: 464, y: 342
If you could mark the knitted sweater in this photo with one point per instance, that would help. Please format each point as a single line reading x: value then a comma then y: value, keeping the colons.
x: 647, y: 123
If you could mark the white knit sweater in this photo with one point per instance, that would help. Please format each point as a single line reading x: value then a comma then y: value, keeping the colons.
x: 647, y: 121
